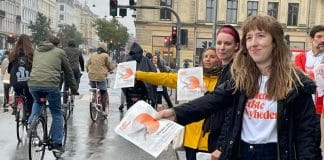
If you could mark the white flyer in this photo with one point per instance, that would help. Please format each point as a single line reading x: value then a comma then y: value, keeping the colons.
x: 203, y: 156
x: 319, y: 78
x: 125, y: 74
x: 190, y: 84
x: 141, y: 128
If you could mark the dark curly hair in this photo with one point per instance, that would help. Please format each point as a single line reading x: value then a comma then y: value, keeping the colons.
x: 25, y: 46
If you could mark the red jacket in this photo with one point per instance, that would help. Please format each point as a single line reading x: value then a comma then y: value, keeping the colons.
x: 300, y: 62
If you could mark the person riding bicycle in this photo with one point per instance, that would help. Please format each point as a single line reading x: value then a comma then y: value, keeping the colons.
x: 20, y: 66
x: 98, y: 68
x: 48, y: 62
x: 76, y: 62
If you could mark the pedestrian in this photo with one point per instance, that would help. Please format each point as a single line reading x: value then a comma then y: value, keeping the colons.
x: 141, y: 90
x: 149, y: 56
x: 20, y: 66
x: 76, y: 62
x: 5, y: 80
x: 161, y: 91
x: 186, y: 64
x: 48, y: 62
x: 98, y: 68
x: 227, y: 44
x: 272, y: 113
x: 195, y: 140
x: 308, y: 61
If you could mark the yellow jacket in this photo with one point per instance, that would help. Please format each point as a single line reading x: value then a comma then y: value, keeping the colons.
x: 193, y: 137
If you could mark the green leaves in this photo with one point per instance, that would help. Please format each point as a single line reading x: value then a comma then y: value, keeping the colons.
x: 68, y: 32
x: 111, y: 32
x: 40, y: 29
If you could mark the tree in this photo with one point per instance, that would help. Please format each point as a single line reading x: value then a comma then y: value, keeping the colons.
x: 111, y: 32
x: 68, y: 32
x: 40, y: 29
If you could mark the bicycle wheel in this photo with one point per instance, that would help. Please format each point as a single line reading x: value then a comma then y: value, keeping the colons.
x: 65, y: 132
x: 37, y: 136
x: 66, y: 111
x: 20, y: 121
x: 93, y: 111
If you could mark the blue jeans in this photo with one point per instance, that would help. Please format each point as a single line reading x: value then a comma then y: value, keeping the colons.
x: 258, y: 151
x: 54, y: 100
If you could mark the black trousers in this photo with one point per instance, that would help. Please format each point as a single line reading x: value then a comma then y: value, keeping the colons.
x: 6, y: 89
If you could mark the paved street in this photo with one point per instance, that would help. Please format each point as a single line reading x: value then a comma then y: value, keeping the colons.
x: 86, y: 140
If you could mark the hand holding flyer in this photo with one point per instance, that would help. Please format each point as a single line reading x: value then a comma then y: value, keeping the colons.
x: 141, y: 128
x: 190, y: 83
x: 125, y: 74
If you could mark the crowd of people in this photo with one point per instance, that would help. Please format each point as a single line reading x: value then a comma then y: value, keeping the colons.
x: 258, y: 104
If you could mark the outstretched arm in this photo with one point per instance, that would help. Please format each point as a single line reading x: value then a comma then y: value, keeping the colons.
x: 155, y: 78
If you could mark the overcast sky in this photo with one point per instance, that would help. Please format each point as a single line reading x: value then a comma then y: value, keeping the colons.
x: 102, y: 8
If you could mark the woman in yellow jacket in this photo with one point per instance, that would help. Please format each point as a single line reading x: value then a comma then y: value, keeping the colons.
x: 194, y: 139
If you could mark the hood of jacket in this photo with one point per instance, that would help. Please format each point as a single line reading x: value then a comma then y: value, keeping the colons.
x: 307, y: 86
x: 136, y: 52
x: 45, y: 46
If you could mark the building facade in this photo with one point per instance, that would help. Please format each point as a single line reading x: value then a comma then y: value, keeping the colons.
x: 197, y: 17
x: 48, y: 9
x: 87, y: 28
x: 10, y: 20
x: 29, y: 9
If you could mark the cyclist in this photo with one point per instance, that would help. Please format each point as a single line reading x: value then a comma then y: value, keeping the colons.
x: 48, y: 62
x: 20, y: 65
x: 76, y: 62
x: 98, y: 68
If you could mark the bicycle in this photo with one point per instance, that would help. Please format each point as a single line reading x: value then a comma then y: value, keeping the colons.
x: 96, y: 106
x: 39, y: 137
x: 21, y: 117
x: 69, y: 105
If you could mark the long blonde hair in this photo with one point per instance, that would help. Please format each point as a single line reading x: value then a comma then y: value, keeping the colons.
x: 282, y: 72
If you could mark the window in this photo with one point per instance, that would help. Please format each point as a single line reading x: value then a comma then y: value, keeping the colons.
x: 61, y: 7
x: 273, y: 9
x: 62, y: 17
x: 231, y: 12
x: 210, y: 10
x: 292, y: 14
x: 252, y: 8
x: 164, y: 13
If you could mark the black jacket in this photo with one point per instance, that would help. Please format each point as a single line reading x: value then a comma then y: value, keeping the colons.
x: 213, y: 124
x: 142, y: 90
x: 298, y: 126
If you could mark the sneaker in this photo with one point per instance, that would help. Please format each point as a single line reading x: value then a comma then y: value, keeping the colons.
x: 103, y: 113
x: 5, y: 110
x: 57, y: 148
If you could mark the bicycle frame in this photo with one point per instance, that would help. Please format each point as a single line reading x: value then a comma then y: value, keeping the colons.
x: 21, y: 117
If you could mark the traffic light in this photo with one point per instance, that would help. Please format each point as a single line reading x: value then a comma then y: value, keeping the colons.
x: 113, y: 7
x: 166, y: 41
x: 174, y: 35
x: 11, y: 38
x: 204, y: 44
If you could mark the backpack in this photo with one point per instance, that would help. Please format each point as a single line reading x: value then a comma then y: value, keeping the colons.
x: 19, y: 73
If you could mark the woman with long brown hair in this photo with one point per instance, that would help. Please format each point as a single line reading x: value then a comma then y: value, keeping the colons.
x: 271, y: 110
x: 20, y: 65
